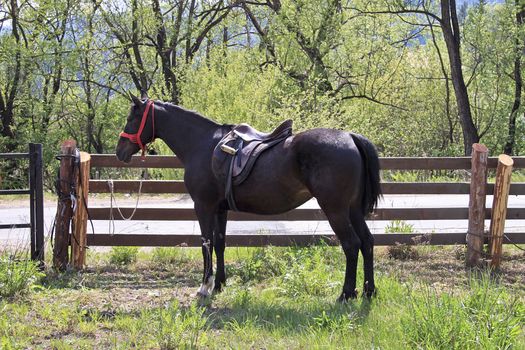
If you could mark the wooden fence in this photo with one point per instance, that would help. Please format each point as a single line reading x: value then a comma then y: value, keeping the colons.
x: 404, y: 163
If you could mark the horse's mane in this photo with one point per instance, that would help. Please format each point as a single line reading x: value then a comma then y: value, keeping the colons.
x: 186, y: 113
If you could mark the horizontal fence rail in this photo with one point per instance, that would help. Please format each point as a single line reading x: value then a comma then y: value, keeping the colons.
x: 14, y: 192
x: 14, y: 155
x: 13, y: 226
x: 177, y: 186
x: 188, y: 214
x: 386, y: 163
x: 111, y: 161
x: 260, y: 240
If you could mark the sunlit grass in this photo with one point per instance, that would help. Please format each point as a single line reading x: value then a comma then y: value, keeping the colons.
x: 276, y: 298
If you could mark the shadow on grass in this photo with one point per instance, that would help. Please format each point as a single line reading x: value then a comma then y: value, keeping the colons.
x: 290, y: 319
x: 110, y: 277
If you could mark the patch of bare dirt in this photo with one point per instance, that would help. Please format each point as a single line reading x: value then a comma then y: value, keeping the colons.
x: 444, y: 267
x: 108, y: 289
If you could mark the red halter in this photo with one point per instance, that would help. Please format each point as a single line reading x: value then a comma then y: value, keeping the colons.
x: 135, y: 138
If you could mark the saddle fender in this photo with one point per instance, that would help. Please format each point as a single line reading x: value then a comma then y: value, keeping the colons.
x: 236, y: 153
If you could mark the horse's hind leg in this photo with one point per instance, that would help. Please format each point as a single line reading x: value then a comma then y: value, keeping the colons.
x: 219, y: 243
x: 350, y: 242
x: 367, y: 249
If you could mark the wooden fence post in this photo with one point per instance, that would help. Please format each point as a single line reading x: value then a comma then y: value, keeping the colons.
x: 66, y: 179
x: 79, y: 234
x: 476, y: 212
x: 499, y: 207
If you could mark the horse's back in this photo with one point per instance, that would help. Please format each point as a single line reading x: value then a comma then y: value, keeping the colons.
x: 316, y: 162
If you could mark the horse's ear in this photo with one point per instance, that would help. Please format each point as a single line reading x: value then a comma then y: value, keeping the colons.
x: 135, y: 99
x: 144, y: 95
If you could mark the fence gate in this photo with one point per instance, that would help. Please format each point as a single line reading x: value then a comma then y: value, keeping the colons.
x: 36, y: 197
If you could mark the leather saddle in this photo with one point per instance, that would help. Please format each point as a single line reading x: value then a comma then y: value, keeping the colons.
x: 236, y: 153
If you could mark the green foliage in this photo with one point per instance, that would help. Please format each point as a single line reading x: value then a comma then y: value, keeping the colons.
x: 299, y: 272
x: 18, y: 275
x: 123, y: 255
x: 316, y: 62
x: 269, y: 313
x: 261, y: 264
x: 485, y: 318
x: 170, y: 256
x: 401, y: 251
x: 399, y: 226
x: 181, y: 329
x: 312, y: 272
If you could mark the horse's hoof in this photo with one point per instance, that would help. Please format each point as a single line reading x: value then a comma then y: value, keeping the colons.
x: 369, y: 291
x: 202, y: 295
x: 206, y: 289
x: 343, y: 298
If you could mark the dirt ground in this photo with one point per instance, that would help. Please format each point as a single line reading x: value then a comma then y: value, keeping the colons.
x: 106, y: 288
x: 444, y: 267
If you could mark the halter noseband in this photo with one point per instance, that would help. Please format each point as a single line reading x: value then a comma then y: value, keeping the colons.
x: 135, y: 138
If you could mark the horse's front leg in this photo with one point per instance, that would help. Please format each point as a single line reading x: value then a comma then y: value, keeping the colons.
x: 206, y: 217
x: 220, y: 243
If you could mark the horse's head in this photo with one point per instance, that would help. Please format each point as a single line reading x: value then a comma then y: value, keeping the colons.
x: 139, y: 129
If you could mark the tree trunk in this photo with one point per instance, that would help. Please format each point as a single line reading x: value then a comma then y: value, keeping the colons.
x: 170, y: 80
x: 518, y: 82
x: 7, y: 100
x: 451, y: 35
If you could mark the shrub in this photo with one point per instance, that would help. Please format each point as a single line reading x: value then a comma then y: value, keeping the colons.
x: 399, y: 226
x: 311, y: 271
x: 401, y: 251
x: 262, y: 264
x: 17, y: 276
x: 299, y: 271
x: 169, y: 256
x: 123, y: 255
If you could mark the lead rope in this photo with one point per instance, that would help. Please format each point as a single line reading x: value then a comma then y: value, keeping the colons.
x: 111, y: 186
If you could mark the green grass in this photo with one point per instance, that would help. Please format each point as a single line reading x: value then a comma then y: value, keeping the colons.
x: 276, y: 298
x: 123, y: 255
x: 18, y: 275
x: 399, y: 226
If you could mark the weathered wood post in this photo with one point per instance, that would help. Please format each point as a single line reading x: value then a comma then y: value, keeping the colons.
x: 65, y: 183
x: 476, y: 211
x: 499, y: 207
x: 79, y: 234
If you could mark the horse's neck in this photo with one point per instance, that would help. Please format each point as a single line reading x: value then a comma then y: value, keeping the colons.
x: 186, y: 133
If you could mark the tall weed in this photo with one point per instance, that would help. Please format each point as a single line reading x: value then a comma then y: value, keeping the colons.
x: 181, y: 329
x: 123, y: 255
x: 170, y: 256
x: 263, y: 263
x: 18, y: 275
x: 485, y: 318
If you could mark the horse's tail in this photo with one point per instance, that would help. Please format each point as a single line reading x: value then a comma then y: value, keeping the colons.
x: 372, y: 184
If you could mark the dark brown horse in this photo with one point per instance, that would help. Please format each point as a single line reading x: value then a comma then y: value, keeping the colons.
x: 340, y: 169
